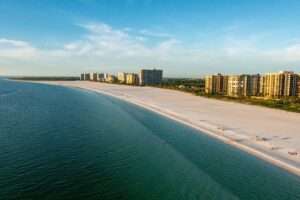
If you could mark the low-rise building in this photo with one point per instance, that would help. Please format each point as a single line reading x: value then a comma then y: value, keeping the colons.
x: 151, y: 76
x: 132, y: 79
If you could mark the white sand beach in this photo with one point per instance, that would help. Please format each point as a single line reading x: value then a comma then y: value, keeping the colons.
x: 273, y: 135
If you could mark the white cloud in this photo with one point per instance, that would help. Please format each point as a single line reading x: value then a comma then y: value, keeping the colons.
x: 104, y: 48
x: 107, y: 43
x: 16, y: 49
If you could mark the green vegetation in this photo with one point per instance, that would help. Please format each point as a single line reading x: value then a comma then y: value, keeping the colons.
x: 291, y: 104
x: 197, y: 86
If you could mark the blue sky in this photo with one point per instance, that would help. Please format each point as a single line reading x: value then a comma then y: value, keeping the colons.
x: 185, y: 38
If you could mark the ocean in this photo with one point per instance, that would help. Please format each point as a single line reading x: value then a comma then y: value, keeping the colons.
x: 65, y: 143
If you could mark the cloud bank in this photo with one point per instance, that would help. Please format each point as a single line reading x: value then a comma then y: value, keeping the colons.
x: 104, y: 48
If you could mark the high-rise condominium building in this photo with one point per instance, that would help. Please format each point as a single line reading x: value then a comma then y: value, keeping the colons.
x: 87, y: 76
x: 238, y: 85
x: 281, y: 84
x: 110, y: 78
x: 132, y: 79
x: 151, y: 77
x: 216, y: 84
x: 106, y: 75
x: 82, y: 77
x: 94, y: 76
x: 122, y: 77
x: 298, y: 86
x: 101, y: 77
x: 254, y: 85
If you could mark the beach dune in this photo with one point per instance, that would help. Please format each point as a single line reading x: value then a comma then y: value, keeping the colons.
x: 273, y: 135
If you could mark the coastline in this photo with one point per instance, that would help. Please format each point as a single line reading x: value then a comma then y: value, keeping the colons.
x: 232, y: 138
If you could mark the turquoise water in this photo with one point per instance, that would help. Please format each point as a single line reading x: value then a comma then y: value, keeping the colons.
x: 63, y: 143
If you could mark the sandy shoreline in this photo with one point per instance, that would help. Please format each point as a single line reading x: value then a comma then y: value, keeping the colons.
x: 272, y: 135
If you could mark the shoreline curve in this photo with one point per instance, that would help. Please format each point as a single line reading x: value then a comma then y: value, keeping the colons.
x: 201, y: 129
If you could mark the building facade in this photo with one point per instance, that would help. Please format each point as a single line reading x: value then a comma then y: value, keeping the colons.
x: 105, y: 76
x: 298, y: 86
x: 281, y: 84
x: 101, y: 77
x: 122, y: 77
x: 111, y: 78
x: 94, y: 76
x: 254, y: 85
x: 290, y: 84
x: 216, y: 84
x: 132, y: 79
x: 237, y: 85
x: 87, y: 76
x: 82, y: 77
x: 151, y: 77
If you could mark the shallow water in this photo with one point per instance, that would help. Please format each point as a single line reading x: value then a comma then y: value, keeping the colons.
x: 63, y: 143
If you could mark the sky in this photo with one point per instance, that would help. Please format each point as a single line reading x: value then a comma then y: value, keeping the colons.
x: 185, y: 38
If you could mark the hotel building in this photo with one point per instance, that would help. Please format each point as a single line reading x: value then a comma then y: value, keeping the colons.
x: 151, y: 77
x: 132, y: 79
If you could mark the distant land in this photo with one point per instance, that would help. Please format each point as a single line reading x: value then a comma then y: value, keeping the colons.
x: 193, y: 86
